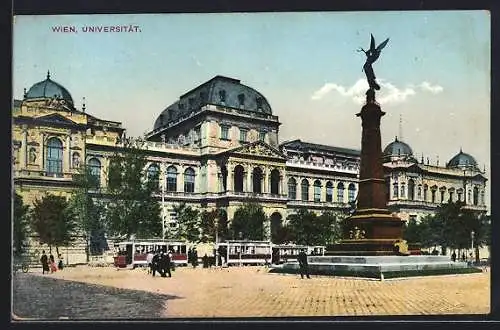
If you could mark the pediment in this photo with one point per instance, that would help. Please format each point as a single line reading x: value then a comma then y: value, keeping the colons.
x: 258, y: 148
x: 56, y: 119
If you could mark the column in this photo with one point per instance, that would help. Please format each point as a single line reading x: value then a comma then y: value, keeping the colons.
x: 180, y: 179
x: 230, y: 177
x: 245, y: 183
x: 249, y: 179
x: 265, y: 181
x: 42, y: 153
x: 66, y: 155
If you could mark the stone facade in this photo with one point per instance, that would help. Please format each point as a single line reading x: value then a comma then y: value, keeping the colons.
x: 215, y: 151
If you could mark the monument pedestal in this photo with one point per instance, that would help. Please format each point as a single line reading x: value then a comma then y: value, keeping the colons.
x: 372, y: 230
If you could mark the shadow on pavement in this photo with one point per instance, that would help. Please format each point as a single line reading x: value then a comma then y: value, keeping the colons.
x: 45, y: 298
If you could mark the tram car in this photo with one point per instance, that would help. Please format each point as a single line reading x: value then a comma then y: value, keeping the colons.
x: 282, y: 253
x: 242, y: 253
x: 134, y: 253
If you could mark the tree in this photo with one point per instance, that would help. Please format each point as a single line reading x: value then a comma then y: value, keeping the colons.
x: 132, y: 208
x: 309, y: 229
x: 53, y: 221
x: 20, y: 225
x: 189, y: 223
x: 249, y: 220
x: 213, y: 222
x: 88, y: 211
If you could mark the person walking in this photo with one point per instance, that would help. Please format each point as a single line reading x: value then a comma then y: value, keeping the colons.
x: 453, y: 256
x: 194, y: 258
x: 60, y: 265
x: 155, y: 262
x: 45, y: 262
x: 303, y: 266
x: 149, y: 260
x: 168, y: 265
x: 52, y: 264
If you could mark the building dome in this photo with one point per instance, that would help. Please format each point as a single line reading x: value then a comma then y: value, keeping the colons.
x: 462, y: 160
x: 219, y: 91
x: 397, y: 148
x: 49, y: 89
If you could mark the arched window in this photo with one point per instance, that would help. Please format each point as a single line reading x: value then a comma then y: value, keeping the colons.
x: 95, y: 170
x: 189, y: 180
x: 482, y: 197
x: 442, y: 191
x: 171, y: 178
x: 317, y: 191
x: 275, y: 181
x: 238, y: 178
x: 329, y: 191
x: 340, y: 192
x: 153, y: 175
x: 351, y: 190
x: 476, y: 196
x: 402, y: 194
x: 257, y: 180
x: 292, y: 188
x: 395, y: 190
x: 411, y: 189
x: 304, y: 190
x: 54, y: 156
x: 419, y: 192
x: 425, y: 192
x: 460, y: 192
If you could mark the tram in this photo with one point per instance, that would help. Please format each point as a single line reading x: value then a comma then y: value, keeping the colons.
x: 243, y: 252
x: 282, y: 253
x: 134, y: 253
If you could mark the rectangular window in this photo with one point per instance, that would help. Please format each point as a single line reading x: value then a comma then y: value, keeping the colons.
x: 292, y: 191
x: 317, y: 194
x: 197, y: 134
x: 224, y: 132
x: 329, y: 194
x: 243, y: 135
x: 403, y: 190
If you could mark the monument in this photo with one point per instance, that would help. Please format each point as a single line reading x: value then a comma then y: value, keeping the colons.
x: 372, y: 243
x: 372, y: 229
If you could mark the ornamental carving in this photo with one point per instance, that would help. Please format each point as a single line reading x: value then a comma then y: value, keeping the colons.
x: 260, y: 150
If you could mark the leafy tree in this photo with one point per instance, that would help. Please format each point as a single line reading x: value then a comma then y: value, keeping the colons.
x: 212, y: 222
x: 249, y: 220
x: 310, y: 229
x: 132, y: 208
x: 53, y: 221
x: 189, y: 223
x: 283, y: 235
x: 88, y: 211
x: 20, y: 225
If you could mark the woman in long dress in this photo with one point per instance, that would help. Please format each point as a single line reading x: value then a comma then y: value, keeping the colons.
x: 52, y: 264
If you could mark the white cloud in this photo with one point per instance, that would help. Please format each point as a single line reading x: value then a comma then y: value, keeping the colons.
x: 427, y: 87
x: 389, y: 94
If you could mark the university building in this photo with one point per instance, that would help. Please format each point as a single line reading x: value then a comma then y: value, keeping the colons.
x: 218, y: 146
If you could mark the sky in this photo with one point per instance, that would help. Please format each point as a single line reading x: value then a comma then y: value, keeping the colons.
x: 434, y: 72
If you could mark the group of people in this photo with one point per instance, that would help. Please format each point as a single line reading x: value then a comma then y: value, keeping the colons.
x: 49, y: 263
x: 193, y: 257
x: 161, y: 262
x: 464, y: 259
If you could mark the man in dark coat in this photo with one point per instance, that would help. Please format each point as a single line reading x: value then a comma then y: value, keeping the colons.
x: 155, y: 263
x: 303, y: 266
x: 45, y: 262
x: 165, y: 265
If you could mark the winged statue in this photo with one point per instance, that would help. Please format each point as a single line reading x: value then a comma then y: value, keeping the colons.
x: 372, y: 55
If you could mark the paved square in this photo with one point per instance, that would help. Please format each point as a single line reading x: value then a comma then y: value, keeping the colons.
x: 252, y: 292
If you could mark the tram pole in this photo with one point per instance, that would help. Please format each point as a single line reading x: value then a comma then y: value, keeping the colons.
x: 163, y: 196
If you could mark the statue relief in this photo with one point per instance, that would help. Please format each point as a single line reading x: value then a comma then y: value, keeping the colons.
x: 76, y: 160
x: 252, y: 136
x: 32, y: 155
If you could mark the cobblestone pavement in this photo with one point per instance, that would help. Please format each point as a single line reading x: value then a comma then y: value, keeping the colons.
x: 37, y: 297
x: 252, y: 292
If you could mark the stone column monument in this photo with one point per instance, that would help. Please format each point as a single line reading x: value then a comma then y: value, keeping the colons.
x: 371, y: 230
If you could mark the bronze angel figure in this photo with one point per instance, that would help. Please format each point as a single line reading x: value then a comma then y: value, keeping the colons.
x: 371, y: 56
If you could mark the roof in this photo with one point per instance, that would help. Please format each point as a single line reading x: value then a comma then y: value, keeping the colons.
x: 462, y: 159
x: 397, y: 148
x: 49, y: 89
x: 312, y: 147
x: 221, y: 91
